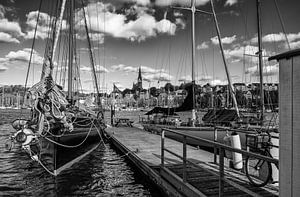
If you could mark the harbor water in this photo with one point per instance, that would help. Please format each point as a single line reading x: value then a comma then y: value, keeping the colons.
x: 104, y: 172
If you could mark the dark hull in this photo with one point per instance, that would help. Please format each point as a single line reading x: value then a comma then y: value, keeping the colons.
x: 60, y: 153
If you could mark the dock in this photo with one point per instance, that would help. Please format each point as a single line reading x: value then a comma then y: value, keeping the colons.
x: 182, y: 170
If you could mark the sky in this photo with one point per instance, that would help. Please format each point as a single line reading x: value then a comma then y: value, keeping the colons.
x: 152, y: 34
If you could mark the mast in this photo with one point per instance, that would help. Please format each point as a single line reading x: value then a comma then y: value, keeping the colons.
x: 224, y: 60
x: 193, y: 9
x: 71, y: 54
x: 91, y: 58
x: 3, y: 97
x: 260, y: 60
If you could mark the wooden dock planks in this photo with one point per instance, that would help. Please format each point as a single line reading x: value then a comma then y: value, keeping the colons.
x: 145, y: 147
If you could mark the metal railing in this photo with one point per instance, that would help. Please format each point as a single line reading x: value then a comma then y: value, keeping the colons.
x: 218, y: 147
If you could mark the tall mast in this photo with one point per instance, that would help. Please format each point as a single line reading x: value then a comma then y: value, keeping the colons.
x: 91, y: 58
x: 71, y: 53
x: 260, y: 61
x: 224, y: 59
x: 193, y: 9
x: 3, y: 97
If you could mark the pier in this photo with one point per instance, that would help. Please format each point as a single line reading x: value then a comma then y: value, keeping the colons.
x: 182, y: 170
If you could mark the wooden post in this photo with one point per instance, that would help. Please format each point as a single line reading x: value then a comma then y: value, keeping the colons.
x: 162, y: 147
x: 221, y: 171
x: 184, y: 158
x: 215, y: 148
x: 289, y: 116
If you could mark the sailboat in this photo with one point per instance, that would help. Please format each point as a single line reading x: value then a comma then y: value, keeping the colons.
x: 214, y: 117
x: 60, y: 131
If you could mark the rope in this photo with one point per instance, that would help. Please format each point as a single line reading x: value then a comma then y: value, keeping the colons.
x: 31, y: 52
x: 69, y: 146
x: 282, y: 24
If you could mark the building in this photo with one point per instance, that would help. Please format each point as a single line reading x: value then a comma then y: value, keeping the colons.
x: 137, y: 88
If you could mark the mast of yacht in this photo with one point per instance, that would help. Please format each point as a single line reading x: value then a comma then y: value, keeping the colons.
x: 260, y: 61
x: 91, y: 58
x: 193, y: 9
x: 224, y: 59
x: 71, y: 53
x: 2, y: 97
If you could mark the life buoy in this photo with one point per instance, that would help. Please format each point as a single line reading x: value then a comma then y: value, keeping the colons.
x: 24, y: 136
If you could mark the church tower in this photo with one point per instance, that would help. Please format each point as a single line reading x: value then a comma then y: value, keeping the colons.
x: 140, y: 81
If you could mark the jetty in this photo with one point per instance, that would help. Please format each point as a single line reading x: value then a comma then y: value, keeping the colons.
x: 182, y: 170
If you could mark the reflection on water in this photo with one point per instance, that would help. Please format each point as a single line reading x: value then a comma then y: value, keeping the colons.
x: 103, y: 173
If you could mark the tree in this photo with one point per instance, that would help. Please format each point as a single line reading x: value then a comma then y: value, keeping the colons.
x: 153, y: 92
x: 126, y: 91
x: 169, y: 87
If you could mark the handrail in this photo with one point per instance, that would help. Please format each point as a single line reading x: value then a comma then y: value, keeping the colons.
x: 217, y: 145
x: 225, y: 147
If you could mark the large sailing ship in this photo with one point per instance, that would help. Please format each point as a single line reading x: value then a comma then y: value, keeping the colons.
x: 61, y: 130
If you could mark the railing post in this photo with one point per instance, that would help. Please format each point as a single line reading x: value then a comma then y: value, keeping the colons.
x: 215, y: 148
x: 162, y: 147
x: 184, y: 158
x: 221, y: 171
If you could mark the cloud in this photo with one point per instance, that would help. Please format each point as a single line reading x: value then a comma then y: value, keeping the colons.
x: 230, y: 2
x: 218, y: 82
x: 43, y: 25
x: 95, y: 37
x: 278, y: 37
x: 122, y: 67
x: 162, y: 77
x: 24, y: 55
x: 144, y: 69
x: 294, y: 45
x: 148, y: 70
x: 99, y: 69
x: 10, y: 27
x: 198, y: 79
x: 225, y: 40
x: 269, y: 70
x: 103, y: 18
x: 203, y: 45
x: 3, y: 68
x: 5, y: 37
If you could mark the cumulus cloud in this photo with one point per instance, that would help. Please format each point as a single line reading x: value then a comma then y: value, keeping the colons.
x: 43, y: 25
x: 230, y: 2
x: 99, y: 69
x: 95, y: 37
x: 124, y: 68
x: 225, y: 40
x: 5, y: 37
x: 278, y: 37
x: 198, y: 79
x: 162, y: 77
x: 268, y: 70
x: 203, y: 45
x: 3, y: 68
x: 294, y: 45
x: 24, y: 55
x: 103, y: 18
x: 144, y: 69
x: 218, y: 82
x: 10, y: 27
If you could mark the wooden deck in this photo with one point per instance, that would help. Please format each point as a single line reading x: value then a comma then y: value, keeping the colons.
x: 144, y: 150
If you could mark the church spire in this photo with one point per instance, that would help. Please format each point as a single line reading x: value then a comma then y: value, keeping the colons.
x: 140, y: 80
x: 140, y: 75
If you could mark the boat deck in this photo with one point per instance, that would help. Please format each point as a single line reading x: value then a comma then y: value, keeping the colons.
x: 143, y: 149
